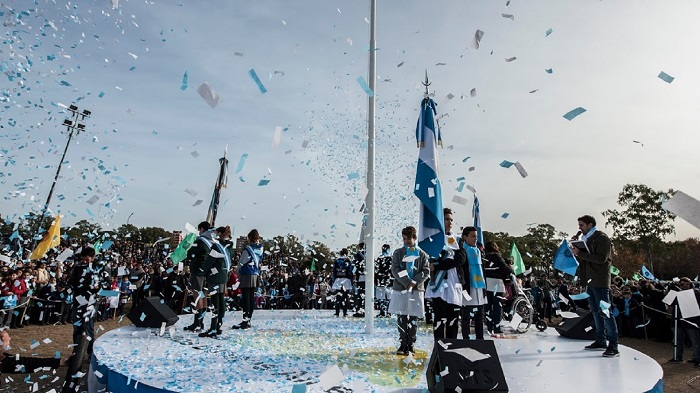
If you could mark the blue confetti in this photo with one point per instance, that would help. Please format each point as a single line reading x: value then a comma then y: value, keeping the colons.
x: 570, y: 115
x: 549, y: 70
x: 506, y: 164
x: 241, y: 162
x: 353, y: 176
x: 255, y: 78
x: 365, y: 86
x: 505, y: 215
x: 548, y: 32
x: 666, y: 77
x: 263, y: 182
x: 184, y: 82
x: 102, y: 94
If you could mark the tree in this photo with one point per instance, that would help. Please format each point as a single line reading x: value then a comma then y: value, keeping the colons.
x: 128, y: 232
x: 83, y: 229
x: 150, y: 235
x: 643, y: 223
x: 539, y: 246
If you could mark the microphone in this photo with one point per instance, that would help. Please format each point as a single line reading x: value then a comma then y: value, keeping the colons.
x: 575, y: 237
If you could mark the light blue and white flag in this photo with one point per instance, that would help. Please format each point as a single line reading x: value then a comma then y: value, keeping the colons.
x: 647, y: 274
x: 564, y: 260
x: 431, y: 228
x: 477, y: 221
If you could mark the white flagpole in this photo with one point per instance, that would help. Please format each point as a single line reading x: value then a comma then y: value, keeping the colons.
x: 369, y: 235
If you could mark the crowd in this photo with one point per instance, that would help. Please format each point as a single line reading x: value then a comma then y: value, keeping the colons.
x: 40, y: 292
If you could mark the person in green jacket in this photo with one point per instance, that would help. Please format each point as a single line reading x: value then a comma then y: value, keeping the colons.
x: 216, y: 266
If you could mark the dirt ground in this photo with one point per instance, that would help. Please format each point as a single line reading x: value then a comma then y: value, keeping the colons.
x: 678, y: 378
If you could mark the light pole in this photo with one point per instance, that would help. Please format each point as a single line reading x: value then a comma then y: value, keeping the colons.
x: 72, y: 125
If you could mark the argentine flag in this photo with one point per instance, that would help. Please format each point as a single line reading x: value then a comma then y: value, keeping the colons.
x: 431, y: 228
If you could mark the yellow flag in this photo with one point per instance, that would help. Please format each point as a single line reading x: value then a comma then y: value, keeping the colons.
x: 50, y: 240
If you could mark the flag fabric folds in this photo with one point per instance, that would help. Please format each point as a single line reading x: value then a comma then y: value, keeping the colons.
x: 477, y: 221
x: 647, y: 274
x: 221, y: 181
x: 518, y: 264
x: 50, y: 240
x: 564, y: 260
x: 431, y: 228
x: 180, y: 252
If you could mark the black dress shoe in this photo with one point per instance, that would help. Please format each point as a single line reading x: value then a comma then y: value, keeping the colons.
x: 242, y: 325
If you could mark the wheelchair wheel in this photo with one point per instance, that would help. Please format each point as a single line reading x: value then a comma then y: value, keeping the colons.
x: 541, y: 325
x: 523, y: 308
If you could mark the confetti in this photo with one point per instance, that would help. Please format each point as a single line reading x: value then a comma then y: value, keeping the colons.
x: 666, y: 77
x: 254, y: 77
x: 570, y: 115
x: 365, y: 86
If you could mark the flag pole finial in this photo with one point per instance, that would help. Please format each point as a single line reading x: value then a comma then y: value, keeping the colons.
x: 426, y: 84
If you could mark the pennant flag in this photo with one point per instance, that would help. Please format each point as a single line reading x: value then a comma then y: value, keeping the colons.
x: 431, y: 228
x: 614, y: 271
x: 518, y: 265
x: 647, y: 274
x: 50, y: 240
x: 564, y: 260
x: 477, y: 221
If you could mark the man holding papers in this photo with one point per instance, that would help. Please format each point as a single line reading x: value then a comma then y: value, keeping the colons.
x: 594, y: 270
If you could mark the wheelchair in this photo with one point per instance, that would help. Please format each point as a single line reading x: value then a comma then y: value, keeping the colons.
x: 520, y: 303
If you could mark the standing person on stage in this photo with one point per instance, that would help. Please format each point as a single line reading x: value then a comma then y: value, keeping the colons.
x: 409, y: 267
x: 217, y: 266
x: 474, y: 284
x: 594, y: 269
x: 342, y: 282
x: 360, y: 281
x: 197, y: 256
x: 84, y: 283
x: 445, y: 286
x: 248, y: 271
x: 497, y: 272
x: 383, y: 280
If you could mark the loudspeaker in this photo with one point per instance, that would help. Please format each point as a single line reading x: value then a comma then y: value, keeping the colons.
x: 450, y: 368
x: 581, y: 328
x: 151, y: 313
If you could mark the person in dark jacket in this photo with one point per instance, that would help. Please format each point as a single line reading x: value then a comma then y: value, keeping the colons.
x: 84, y: 283
x: 496, y: 271
x: 217, y: 266
x: 342, y: 282
x: 594, y: 270
x: 383, y: 280
x: 197, y: 255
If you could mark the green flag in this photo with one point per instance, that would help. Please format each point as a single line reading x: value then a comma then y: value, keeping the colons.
x: 518, y: 265
x: 636, y: 277
x: 313, y: 265
x: 180, y: 252
x: 614, y: 271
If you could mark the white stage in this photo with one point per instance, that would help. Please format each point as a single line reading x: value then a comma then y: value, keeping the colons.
x: 293, y: 347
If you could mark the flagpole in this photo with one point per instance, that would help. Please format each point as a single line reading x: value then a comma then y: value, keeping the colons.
x: 369, y: 241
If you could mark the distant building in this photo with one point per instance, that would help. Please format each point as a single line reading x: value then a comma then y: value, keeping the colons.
x: 176, y: 238
x: 241, y: 242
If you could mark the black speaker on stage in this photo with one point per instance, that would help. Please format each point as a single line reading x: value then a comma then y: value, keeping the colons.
x: 151, y: 313
x: 581, y: 328
x: 450, y: 367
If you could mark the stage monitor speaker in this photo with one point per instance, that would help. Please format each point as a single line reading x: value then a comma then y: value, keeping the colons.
x: 451, y: 370
x: 151, y: 313
x: 581, y: 328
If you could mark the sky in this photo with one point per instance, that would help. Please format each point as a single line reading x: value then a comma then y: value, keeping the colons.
x: 151, y: 136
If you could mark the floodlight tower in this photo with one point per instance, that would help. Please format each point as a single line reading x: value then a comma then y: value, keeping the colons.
x: 74, y: 125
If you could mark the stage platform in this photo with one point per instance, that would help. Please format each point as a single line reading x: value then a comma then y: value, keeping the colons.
x: 314, y: 351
